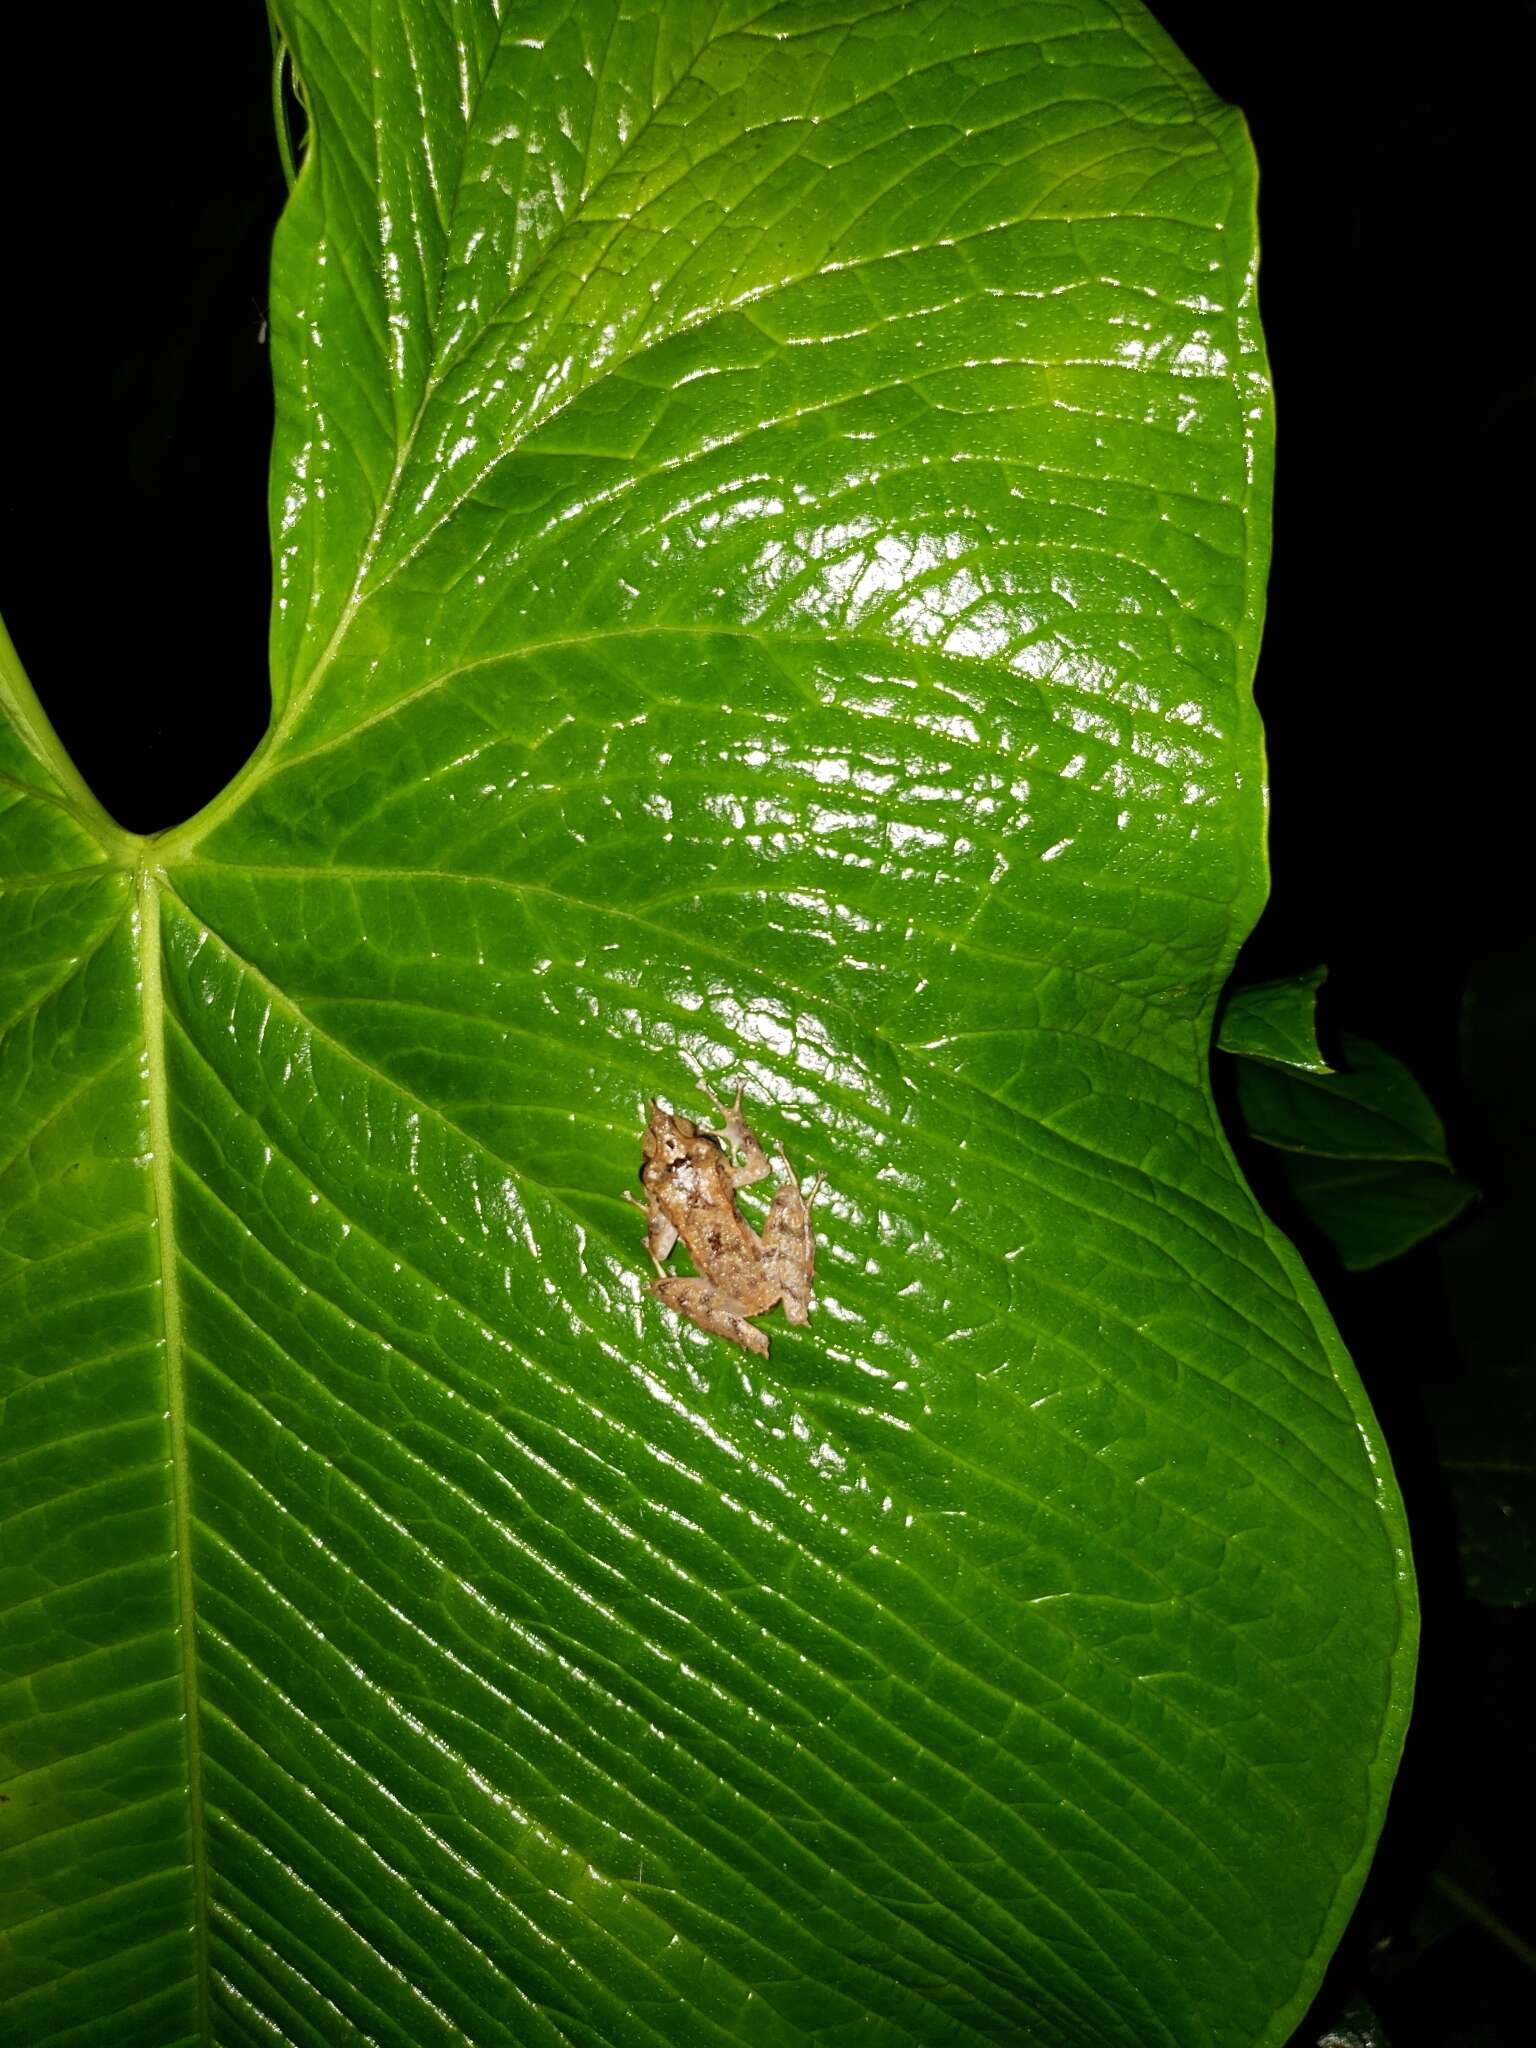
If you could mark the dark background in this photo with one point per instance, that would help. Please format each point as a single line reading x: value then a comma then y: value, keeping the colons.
x: 1396, y: 218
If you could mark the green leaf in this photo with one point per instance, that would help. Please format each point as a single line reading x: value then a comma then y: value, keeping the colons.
x: 1365, y: 1152
x: 1374, y: 1109
x: 770, y: 511
x: 1275, y: 1022
x: 1372, y: 1211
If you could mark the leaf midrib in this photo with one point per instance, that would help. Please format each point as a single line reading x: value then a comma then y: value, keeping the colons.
x: 146, y: 920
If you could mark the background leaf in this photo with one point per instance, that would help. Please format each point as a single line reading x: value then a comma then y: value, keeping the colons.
x: 1275, y: 1022
x: 1372, y: 1211
x: 769, y: 522
x: 1374, y: 1109
x: 1364, y: 1151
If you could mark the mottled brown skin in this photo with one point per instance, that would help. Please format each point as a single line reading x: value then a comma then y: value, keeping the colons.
x: 690, y: 1193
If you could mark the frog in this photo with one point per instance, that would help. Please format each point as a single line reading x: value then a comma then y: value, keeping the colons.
x: 691, y: 1183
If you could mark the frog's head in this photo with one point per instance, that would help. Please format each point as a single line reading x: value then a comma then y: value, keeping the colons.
x: 667, y: 1136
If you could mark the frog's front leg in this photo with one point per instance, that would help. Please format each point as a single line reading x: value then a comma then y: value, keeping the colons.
x: 789, y: 1244
x: 755, y: 1164
x: 660, y: 1231
x: 702, y: 1302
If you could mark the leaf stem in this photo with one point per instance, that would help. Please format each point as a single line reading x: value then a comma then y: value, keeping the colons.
x: 281, y: 61
x: 1485, y: 1918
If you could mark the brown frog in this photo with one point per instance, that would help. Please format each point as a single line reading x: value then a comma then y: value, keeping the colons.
x: 690, y: 1193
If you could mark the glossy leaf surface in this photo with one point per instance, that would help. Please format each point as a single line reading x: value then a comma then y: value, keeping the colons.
x: 770, y: 515
x: 1356, y: 2027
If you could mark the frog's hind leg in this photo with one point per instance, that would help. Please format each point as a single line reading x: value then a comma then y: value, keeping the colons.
x: 703, y: 1303
x: 790, y: 1243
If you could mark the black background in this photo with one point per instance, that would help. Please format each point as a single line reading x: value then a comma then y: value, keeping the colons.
x: 1396, y: 217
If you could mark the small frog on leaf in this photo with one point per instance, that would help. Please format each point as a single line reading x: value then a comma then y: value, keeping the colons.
x: 690, y: 1193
